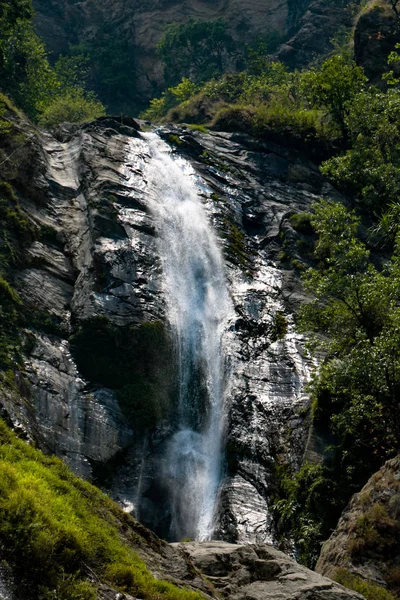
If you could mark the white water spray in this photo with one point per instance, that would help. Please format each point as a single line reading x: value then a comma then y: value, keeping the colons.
x: 199, y: 308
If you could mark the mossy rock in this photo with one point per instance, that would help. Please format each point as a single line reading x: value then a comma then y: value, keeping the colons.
x: 136, y: 362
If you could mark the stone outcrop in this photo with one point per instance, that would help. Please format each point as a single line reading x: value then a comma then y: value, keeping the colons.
x: 376, y: 35
x: 314, y: 33
x: 366, y: 541
x: 260, y: 573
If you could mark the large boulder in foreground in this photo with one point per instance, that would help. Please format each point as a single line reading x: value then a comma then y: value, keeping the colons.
x: 366, y: 542
x: 260, y: 572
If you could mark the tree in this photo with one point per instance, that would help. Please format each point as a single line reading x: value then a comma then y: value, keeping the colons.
x: 356, y: 308
x: 371, y: 168
x: 333, y: 87
x: 12, y: 14
x: 195, y: 49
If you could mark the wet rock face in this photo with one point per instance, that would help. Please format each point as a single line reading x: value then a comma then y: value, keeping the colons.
x: 259, y: 572
x: 97, y: 258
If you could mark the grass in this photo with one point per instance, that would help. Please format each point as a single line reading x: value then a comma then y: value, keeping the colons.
x: 55, y: 529
x: 369, y: 590
x: 376, y: 535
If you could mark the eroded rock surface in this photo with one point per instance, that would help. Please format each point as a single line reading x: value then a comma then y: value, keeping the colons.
x: 259, y: 572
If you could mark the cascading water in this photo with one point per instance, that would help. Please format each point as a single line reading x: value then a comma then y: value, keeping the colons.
x: 198, y: 309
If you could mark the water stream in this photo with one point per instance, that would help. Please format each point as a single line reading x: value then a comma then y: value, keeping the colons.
x: 198, y: 310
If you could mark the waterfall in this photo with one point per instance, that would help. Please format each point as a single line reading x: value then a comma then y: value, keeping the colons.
x: 198, y: 310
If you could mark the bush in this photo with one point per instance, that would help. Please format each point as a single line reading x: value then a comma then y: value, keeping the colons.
x: 302, y: 222
x: 73, y: 107
x: 369, y: 590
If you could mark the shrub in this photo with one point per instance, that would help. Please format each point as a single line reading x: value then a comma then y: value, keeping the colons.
x: 302, y: 222
x: 74, y: 106
x: 369, y: 590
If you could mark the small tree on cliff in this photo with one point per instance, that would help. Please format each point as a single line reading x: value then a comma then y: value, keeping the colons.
x: 195, y: 49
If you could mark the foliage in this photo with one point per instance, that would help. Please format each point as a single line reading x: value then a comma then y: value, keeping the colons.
x: 171, y: 97
x: 112, y: 70
x: 46, y: 94
x: 370, y: 169
x: 369, y: 590
x: 303, y: 506
x: 354, y: 319
x: 74, y: 106
x: 195, y: 49
x: 302, y: 222
x: 268, y: 101
x: 376, y: 535
x: 333, y: 87
x: 15, y: 231
x: 56, y: 529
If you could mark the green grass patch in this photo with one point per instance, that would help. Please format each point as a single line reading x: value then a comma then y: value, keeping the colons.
x: 369, y: 590
x: 55, y: 529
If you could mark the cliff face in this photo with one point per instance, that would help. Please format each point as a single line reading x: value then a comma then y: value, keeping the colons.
x: 366, y: 540
x: 375, y: 37
x: 93, y: 280
x: 139, y: 25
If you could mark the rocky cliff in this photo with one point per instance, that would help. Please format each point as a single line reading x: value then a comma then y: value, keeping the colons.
x: 366, y: 540
x: 98, y: 384
x: 135, y: 27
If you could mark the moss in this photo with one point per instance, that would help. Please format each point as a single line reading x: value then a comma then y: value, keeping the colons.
x: 301, y: 222
x: 174, y: 140
x: 197, y: 127
x: 134, y: 361
x: 376, y: 535
x: 56, y: 529
x: 49, y: 235
x: 279, y: 327
x: 369, y: 590
x: 237, y: 251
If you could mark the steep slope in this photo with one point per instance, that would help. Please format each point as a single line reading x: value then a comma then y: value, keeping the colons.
x: 139, y: 26
x: 133, y: 28
x: 74, y: 542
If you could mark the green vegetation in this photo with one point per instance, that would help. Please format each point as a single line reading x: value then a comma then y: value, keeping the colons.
x: 15, y: 230
x: 61, y: 534
x: 308, y: 108
x: 112, y: 69
x: 369, y: 590
x: 47, y: 94
x: 134, y: 361
x: 195, y: 49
